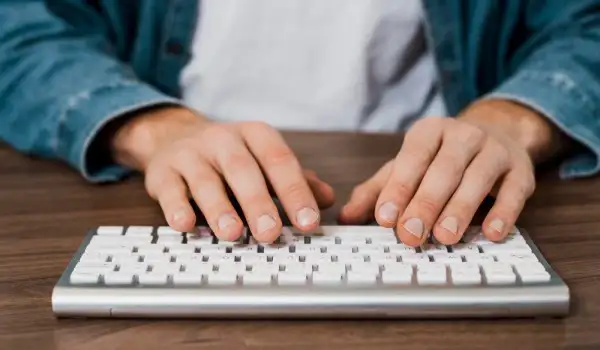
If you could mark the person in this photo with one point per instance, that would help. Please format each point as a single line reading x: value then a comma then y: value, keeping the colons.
x: 194, y: 95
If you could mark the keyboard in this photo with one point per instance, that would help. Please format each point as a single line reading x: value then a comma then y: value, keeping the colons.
x: 333, y: 272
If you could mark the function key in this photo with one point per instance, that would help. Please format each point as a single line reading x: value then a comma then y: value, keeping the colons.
x: 139, y: 231
x: 167, y: 231
x: 109, y: 230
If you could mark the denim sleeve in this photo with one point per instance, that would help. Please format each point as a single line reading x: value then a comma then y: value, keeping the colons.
x: 557, y: 73
x: 60, y: 86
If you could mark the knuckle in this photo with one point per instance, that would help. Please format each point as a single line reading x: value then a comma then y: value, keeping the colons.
x: 279, y: 156
x: 253, y: 126
x: 360, y: 192
x: 426, y: 125
x: 235, y: 161
x: 295, y: 191
x: 400, y: 189
x: 218, y: 134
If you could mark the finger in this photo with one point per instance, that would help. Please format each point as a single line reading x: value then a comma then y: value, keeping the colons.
x: 284, y: 173
x: 242, y: 173
x: 439, y: 183
x: 418, y: 150
x: 209, y: 193
x: 323, y: 192
x: 168, y: 188
x: 359, y: 208
x: 477, y: 182
x: 517, y: 187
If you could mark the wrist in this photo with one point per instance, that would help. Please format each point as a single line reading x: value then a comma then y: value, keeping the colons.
x: 532, y: 131
x: 140, y: 136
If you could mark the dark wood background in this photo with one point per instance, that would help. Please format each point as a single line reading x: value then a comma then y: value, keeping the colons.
x: 45, y: 208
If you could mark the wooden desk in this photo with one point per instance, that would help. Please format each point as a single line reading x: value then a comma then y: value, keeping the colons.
x: 45, y: 208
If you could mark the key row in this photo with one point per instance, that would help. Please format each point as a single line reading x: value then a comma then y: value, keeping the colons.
x: 299, y: 277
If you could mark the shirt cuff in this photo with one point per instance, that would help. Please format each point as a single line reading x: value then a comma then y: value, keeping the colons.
x: 89, y: 112
x: 556, y: 96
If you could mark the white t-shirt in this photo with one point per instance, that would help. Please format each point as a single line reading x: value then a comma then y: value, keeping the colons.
x: 360, y: 65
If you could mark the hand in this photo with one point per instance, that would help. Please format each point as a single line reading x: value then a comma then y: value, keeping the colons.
x: 447, y: 167
x: 182, y: 153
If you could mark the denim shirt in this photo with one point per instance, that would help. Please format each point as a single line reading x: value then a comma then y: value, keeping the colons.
x: 67, y: 68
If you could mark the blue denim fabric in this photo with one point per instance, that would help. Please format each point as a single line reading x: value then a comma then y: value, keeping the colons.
x: 69, y: 67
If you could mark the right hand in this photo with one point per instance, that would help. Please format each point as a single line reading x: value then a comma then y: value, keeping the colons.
x: 181, y: 152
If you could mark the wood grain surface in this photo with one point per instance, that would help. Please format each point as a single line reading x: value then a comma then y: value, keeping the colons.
x: 45, y: 209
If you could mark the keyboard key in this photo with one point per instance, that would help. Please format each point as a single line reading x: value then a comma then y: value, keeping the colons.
x: 177, y: 249
x: 332, y: 267
x: 371, y: 249
x: 464, y: 266
x: 304, y: 268
x: 219, y: 258
x: 213, y: 249
x: 479, y: 258
x: 401, y: 249
x: 265, y: 267
x: 462, y: 278
x: 291, y: 278
x: 415, y: 258
x: 529, y: 266
x: 136, y: 269
x: 435, y: 249
x: 398, y: 267
x: 187, y: 278
x: 383, y: 258
x: 365, y: 267
x: 318, y: 258
x: 286, y: 258
x: 465, y: 249
x: 383, y: 239
x: 512, y: 258
x: 447, y: 258
x: 533, y: 276
x: 168, y: 269
x: 88, y: 277
x: 167, y: 231
x: 109, y: 230
x: 361, y: 278
x: 327, y: 277
x: 157, y: 259
x: 499, y: 279
x: 152, y: 278
x: 256, y: 278
x: 169, y: 240
x: 221, y: 278
x: 244, y: 250
x: 232, y: 267
x: 349, y: 258
x: 143, y: 231
x: 94, y: 257
x: 118, y: 278
x: 253, y: 259
x: 309, y: 249
x: 396, y: 277
x: 324, y: 240
x: 200, y: 267
x: 199, y: 241
x: 431, y: 273
x: 501, y: 248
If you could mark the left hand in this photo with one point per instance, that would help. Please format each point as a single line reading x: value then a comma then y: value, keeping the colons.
x: 445, y: 169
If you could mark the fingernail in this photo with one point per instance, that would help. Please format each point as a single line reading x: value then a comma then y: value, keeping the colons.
x: 497, y: 225
x: 226, y: 221
x: 450, y: 224
x: 414, y: 226
x: 306, y: 216
x: 265, y: 223
x: 389, y: 212
x: 178, y: 215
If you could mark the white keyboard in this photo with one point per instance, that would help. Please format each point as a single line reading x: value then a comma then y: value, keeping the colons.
x: 338, y: 271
